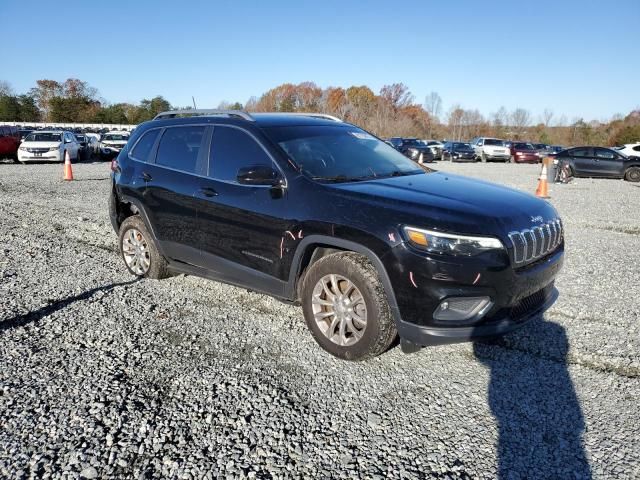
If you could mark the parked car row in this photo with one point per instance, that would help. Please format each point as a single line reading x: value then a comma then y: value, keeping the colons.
x: 25, y: 145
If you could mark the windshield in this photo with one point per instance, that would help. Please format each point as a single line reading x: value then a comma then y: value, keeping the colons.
x: 115, y: 138
x: 44, y: 137
x: 523, y: 146
x: 340, y: 153
x: 461, y: 146
x: 81, y: 138
x: 412, y: 141
x: 494, y: 141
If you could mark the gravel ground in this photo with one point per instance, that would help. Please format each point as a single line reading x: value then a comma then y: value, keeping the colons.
x: 106, y: 377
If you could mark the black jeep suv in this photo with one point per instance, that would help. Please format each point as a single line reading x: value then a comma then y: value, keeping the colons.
x: 320, y: 213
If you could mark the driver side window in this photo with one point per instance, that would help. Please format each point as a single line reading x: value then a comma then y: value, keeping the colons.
x: 231, y: 150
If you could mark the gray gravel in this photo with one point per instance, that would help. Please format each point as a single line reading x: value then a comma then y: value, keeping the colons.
x: 106, y: 377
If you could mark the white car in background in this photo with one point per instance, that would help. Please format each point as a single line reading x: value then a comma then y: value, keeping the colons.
x: 491, y: 149
x: 630, y: 149
x: 112, y: 142
x: 48, y: 146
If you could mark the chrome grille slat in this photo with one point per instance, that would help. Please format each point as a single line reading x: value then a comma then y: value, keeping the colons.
x: 536, y: 242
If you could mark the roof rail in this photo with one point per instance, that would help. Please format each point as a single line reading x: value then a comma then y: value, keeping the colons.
x: 307, y: 114
x: 204, y: 112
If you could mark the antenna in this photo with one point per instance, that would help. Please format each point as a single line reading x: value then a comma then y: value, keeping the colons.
x: 194, y: 102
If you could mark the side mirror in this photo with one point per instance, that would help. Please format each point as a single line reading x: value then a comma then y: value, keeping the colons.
x: 259, y: 175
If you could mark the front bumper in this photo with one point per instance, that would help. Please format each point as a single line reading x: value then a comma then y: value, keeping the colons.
x: 503, y: 157
x: 431, y: 336
x: 43, y: 157
x: 527, y: 158
x: 463, y: 157
x: 421, y: 282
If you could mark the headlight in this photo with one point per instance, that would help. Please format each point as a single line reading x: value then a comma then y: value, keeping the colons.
x: 413, y: 152
x: 53, y: 149
x: 23, y: 149
x: 450, y: 244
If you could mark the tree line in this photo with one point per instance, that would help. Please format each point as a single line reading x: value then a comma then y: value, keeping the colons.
x: 73, y: 101
x: 392, y: 111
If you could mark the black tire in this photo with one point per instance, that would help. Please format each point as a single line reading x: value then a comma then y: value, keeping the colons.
x: 380, y: 330
x: 157, y: 263
x: 632, y: 174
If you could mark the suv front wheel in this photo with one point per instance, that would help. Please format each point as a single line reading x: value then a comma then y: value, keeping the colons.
x: 138, y: 250
x: 346, y: 308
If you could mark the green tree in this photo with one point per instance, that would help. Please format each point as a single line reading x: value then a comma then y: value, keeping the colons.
x: 9, y: 108
x: 28, y: 109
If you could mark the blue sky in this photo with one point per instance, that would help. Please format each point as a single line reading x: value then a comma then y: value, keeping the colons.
x: 578, y: 58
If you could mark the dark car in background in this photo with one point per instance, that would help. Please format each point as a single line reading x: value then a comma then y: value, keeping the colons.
x: 412, y: 148
x: 85, y: 150
x: 600, y: 162
x: 9, y: 141
x: 458, y: 152
x: 24, y: 132
x: 523, y: 152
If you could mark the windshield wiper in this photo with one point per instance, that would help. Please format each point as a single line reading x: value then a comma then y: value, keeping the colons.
x: 337, y: 179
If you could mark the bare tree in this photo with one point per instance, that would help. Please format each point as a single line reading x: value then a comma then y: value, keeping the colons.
x: 454, y: 119
x: 5, y: 88
x: 520, y: 120
x: 547, y: 116
x: 433, y: 106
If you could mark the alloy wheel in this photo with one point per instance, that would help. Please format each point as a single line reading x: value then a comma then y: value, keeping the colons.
x: 339, y: 310
x: 135, y: 251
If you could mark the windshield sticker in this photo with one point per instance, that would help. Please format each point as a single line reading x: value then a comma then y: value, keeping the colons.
x: 362, y: 135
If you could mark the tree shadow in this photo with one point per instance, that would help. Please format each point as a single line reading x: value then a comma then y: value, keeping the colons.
x: 37, y: 315
x: 532, y: 397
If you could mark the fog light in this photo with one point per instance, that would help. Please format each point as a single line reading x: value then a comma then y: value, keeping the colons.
x: 462, y: 308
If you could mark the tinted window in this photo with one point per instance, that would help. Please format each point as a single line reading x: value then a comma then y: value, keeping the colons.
x: 340, y: 153
x: 636, y: 149
x: 143, y: 147
x: 44, y: 137
x: 580, y: 152
x: 179, y: 148
x: 494, y: 141
x: 232, y: 149
x: 604, y: 153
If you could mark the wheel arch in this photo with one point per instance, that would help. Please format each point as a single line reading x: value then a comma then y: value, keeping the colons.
x: 314, y: 247
x: 134, y: 207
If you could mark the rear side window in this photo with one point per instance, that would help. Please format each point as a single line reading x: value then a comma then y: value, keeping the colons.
x: 143, y: 148
x: 604, y: 153
x: 579, y: 152
x: 179, y: 148
x: 232, y: 149
x: 636, y: 149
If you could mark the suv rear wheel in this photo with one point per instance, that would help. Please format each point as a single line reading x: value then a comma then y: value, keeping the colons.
x: 632, y: 174
x: 138, y: 250
x: 346, y: 308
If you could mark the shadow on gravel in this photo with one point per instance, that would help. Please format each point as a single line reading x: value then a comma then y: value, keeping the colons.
x: 35, y: 316
x: 532, y: 397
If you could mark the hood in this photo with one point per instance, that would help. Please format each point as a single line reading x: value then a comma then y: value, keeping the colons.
x: 40, y: 144
x: 453, y: 203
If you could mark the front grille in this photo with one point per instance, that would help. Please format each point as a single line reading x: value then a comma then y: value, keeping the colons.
x: 534, y: 243
x: 37, y: 150
x: 531, y: 303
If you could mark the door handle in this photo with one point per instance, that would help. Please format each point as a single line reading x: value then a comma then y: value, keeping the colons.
x: 208, y: 192
x: 146, y: 177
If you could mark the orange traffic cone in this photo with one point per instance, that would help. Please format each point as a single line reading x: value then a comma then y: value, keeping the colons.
x: 543, y: 187
x: 68, y: 171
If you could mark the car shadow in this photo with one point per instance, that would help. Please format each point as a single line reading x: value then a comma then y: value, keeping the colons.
x: 532, y: 397
x: 37, y: 315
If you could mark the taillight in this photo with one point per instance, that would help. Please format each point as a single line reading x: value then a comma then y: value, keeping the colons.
x: 115, y: 166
